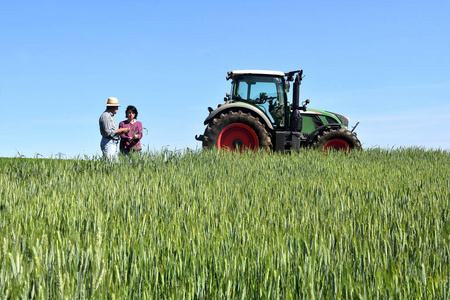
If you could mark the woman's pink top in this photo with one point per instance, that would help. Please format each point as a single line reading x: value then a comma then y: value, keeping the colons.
x: 136, y: 128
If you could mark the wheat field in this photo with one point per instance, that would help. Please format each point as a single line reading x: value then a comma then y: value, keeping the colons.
x: 373, y: 224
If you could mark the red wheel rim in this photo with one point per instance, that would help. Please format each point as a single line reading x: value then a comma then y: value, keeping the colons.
x: 336, y: 144
x: 238, y: 135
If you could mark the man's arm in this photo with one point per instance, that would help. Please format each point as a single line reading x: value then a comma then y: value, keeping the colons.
x: 107, y: 126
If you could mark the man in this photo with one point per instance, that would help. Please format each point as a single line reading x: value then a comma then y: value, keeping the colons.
x: 109, y: 131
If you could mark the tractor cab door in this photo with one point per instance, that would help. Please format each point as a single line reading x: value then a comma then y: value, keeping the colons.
x: 265, y: 92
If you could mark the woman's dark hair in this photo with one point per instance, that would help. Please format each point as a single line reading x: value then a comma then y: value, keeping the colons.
x: 133, y: 110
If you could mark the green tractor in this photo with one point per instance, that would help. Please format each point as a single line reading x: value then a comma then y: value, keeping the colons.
x: 257, y: 115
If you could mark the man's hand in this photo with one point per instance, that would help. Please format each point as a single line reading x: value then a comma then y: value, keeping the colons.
x: 123, y: 130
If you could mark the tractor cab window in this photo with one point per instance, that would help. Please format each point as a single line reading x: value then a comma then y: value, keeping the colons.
x: 265, y: 92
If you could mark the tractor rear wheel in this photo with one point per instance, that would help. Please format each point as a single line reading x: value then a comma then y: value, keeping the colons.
x: 337, y: 139
x: 236, y: 130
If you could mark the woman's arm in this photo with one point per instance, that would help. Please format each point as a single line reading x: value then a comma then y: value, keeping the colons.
x: 139, y: 130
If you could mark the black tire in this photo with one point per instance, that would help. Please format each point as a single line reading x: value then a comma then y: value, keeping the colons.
x: 337, y: 139
x: 236, y: 129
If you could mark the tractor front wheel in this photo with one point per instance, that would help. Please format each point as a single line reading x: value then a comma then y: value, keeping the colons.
x: 338, y: 139
x: 236, y: 130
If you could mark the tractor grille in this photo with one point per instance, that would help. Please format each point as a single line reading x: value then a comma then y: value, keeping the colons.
x: 344, y: 120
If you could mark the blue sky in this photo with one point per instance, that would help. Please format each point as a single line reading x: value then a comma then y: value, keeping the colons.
x: 384, y: 63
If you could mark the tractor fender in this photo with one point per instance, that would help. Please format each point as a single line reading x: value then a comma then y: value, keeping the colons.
x: 319, y: 130
x: 239, y: 106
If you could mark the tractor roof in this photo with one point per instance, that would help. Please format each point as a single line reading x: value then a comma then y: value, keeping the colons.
x: 256, y: 72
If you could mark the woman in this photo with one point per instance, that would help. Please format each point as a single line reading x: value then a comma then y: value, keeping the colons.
x: 131, y: 140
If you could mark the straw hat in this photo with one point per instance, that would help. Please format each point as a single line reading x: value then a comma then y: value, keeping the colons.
x: 112, y: 101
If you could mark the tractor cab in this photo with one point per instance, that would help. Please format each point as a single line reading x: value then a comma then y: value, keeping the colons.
x: 264, y: 89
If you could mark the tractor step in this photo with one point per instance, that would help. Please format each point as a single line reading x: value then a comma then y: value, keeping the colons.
x: 288, y: 140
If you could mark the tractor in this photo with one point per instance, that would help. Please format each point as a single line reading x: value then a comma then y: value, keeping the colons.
x: 257, y: 115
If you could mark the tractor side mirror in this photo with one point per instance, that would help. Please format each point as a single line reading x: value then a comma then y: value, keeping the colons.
x: 305, y: 103
x: 288, y: 86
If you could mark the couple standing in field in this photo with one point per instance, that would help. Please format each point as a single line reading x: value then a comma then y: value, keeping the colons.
x: 128, y: 134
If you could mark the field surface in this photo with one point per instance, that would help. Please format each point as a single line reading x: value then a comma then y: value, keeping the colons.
x: 208, y: 225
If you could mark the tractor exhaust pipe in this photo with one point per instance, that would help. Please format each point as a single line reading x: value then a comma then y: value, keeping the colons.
x: 295, y: 122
